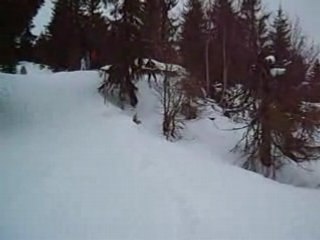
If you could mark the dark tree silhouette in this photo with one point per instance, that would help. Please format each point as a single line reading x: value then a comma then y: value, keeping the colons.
x: 282, y: 127
x: 15, y: 19
x: 226, y: 45
x: 125, y: 70
x: 192, y: 42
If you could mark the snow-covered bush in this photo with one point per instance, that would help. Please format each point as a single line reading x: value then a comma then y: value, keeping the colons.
x: 172, y: 100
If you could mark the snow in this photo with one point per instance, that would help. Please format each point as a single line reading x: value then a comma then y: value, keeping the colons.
x: 74, y: 168
x: 276, y: 72
x: 166, y: 67
x: 33, y: 68
x: 271, y: 59
x: 105, y: 68
x: 152, y: 64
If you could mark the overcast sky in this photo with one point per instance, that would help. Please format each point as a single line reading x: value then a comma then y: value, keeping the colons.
x: 306, y: 10
x: 42, y: 19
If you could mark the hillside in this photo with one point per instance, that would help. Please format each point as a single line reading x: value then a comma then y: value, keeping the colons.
x: 74, y: 168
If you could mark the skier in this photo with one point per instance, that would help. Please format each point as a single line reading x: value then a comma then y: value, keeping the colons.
x: 83, y: 64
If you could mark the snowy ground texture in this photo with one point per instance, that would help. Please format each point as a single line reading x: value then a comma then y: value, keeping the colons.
x: 72, y: 168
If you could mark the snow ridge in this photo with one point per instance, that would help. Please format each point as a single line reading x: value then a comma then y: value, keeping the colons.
x: 74, y: 168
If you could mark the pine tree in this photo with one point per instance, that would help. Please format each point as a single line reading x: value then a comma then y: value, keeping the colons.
x: 280, y: 37
x: 192, y: 43
x: 314, y: 78
x: 95, y: 34
x: 88, y: 36
x: 254, y: 22
x: 91, y: 7
x: 282, y: 127
x: 15, y: 18
x: 168, y: 31
x: 130, y: 30
x: 66, y: 20
x: 159, y: 30
x: 152, y: 30
x: 225, y: 47
x: 26, y: 45
x: 315, y: 73
x: 254, y: 39
x: 130, y: 49
x: 286, y: 53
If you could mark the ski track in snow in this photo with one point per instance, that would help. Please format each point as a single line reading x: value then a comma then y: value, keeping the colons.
x: 74, y: 168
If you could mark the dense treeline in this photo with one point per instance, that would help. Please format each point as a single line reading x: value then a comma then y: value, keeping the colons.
x: 15, y: 37
x: 256, y: 65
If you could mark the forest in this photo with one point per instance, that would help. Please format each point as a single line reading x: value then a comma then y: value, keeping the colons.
x: 255, y: 65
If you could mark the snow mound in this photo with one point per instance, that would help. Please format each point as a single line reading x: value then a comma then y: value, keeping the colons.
x: 153, y: 65
x: 32, y: 68
x: 276, y: 72
x: 74, y: 168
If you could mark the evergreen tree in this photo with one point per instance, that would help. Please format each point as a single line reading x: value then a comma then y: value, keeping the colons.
x: 91, y: 7
x: 314, y: 78
x: 88, y: 36
x: 26, y: 45
x: 159, y: 30
x: 168, y: 31
x: 95, y: 34
x: 41, y: 49
x: 15, y: 18
x: 254, y: 39
x: 282, y: 127
x: 315, y: 73
x: 225, y: 47
x: 152, y: 29
x: 255, y: 28
x: 65, y: 52
x: 281, y: 38
x: 286, y: 53
x: 192, y: 43
x: 130, y: 49
x: 130, y: 30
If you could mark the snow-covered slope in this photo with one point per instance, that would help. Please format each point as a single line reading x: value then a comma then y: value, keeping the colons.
x: 74, y: 168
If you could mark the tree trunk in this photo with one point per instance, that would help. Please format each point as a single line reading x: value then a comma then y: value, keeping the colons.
x: 207, y: 69
x: 225, y: 64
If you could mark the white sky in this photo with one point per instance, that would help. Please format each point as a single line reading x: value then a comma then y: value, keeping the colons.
x: 306, y: 10
x: 43, y: 17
